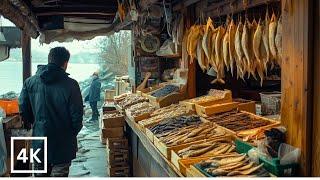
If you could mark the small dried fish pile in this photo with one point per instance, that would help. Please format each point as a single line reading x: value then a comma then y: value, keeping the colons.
x: 130, y: 100
x: 112, y: 115
x: 173, y: 110
x: 233, y: 165
x: 211, y: 148
x: 213, y: 94
x: 191, y: 134
x: 245, y: 46
x: 166, y: 90
x: 140, y: 109
x: 171, y: 124
x: 238, y: 121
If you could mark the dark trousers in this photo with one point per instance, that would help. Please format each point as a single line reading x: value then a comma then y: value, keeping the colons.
x: 95, y: 112
x: 53, y: 170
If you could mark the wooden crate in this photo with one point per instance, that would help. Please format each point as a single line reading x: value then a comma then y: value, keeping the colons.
x: 113, y: 122
x: 184, y: 164
x: 194, y: 172
x: 112, y: 132
x: 149, y: 135
x: 172, y: 98
x: 211, y: 101
x: 117, y: 156
x: 117, y: 143
x: 249, y: 106
x: 118, y: 171
x: 207, y: 110
x: 137, y: 118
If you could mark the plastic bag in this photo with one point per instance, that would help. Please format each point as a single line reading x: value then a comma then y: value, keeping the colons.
x: 2, y: 113
x: 288, y: 154
x: 3, y: 151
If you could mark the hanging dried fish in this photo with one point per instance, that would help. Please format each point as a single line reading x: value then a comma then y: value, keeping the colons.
x: 258, y: 47
x: 232, y: 50
x: 206, y: 40
x: 245, y: 45
x: 272, y: 35
x: 200, y: 55
x: 219, y: 55
x: 213, y: 56
x: 265, y: 39
x: 278, y: 41
x: 193, y: 38
x: 240, y: 55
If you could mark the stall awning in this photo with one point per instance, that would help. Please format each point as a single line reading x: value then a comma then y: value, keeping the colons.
x: 62, y: 20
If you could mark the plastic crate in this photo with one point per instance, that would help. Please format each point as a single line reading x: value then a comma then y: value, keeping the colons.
x: 242, y: 147
x: 270, y: 103
x: 272, y: 165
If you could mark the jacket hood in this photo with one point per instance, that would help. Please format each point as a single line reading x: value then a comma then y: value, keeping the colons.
x: 51, y: 73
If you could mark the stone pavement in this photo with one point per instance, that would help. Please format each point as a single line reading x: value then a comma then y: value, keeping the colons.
x: 91, y: 156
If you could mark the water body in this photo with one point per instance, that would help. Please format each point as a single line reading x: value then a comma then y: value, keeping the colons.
x: 11, y: 74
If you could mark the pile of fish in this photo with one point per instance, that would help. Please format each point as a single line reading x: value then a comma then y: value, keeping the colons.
x: 166, y: 90
x: 174, y: 123
x: 232, y: 164
x: 238, y: 121
x: 209, y: 148
x: 213, y: 94
x: 112, y: 115
x: 246, y: 47
x: 173, y: 110
x: 140, y: 109
x: 191, y: 134
x: 131, y: 99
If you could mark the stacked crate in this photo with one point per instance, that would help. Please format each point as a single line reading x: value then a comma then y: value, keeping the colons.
x: 112, y: 134
x: 118, y: 157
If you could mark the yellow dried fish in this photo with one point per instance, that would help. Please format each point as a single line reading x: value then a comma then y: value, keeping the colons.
x: 232, y: 50
x: 258, y: 47
x: 193, y: 38
x: 245, y: 45
x: 213, y: 52
x: 240, y: 60
x: 278, y: 41
x: 206, y: 36
x: 272, y: 36
x: 200, y: 56
x: 265, y: 39
x: 254, y: 63
x: 219, y: 55
x: 225, y: 50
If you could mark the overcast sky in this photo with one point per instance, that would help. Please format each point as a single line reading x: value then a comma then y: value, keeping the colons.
x: 74, y: 47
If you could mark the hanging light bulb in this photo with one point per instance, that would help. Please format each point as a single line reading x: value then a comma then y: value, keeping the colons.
x: 2, y: 38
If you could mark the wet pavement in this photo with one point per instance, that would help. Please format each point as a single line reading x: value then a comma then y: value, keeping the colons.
x: 91, y: 156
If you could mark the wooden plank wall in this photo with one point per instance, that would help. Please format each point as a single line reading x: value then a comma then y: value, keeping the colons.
x: 296, y: 110
x: 316, y: 95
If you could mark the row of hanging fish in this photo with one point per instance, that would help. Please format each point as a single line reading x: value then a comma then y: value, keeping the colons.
x: 246, y: 47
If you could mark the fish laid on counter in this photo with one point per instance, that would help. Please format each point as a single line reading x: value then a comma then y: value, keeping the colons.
x: 232, y: 165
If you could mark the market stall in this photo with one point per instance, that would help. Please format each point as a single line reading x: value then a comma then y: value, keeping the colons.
x: 218, y: 70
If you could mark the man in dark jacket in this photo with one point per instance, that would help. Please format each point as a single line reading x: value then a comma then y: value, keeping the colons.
x: 94, y: 96
x: 51, y: 103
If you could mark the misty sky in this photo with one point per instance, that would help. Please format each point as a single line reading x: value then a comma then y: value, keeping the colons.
x: 74, y: 47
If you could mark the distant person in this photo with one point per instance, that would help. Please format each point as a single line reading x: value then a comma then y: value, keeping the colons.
x: 50, y: 102
x: 94, y: 96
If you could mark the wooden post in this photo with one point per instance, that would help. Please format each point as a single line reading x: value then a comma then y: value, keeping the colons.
x: 26, y: 55
x: 296, y: 77
x: 316, y: 95
x: 190, y: 18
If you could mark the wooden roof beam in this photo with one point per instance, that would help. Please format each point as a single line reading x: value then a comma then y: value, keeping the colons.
x: 75, y: 13
x: 26, y: 11
x: 21, y: 21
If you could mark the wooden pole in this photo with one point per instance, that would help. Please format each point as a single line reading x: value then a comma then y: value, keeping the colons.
x: 296, y: 77
x: 26, y: 55
x: 316, y: 95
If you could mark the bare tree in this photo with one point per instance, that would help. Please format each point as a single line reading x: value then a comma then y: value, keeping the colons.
x: 115, y: 52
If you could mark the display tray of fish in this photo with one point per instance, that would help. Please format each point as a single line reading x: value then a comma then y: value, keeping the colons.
x: 191, y: 134
x: 174, y: 123
x: 231, y: 165
x: 166, y: 90
x: 213, y: 94
x: 130, y: 100
x: 112, y: 115
x: 140, y: 109
x: 238, y: 121
x: 157, y: 116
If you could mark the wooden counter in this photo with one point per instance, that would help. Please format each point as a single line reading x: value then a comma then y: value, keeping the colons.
x: 146, y: 158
